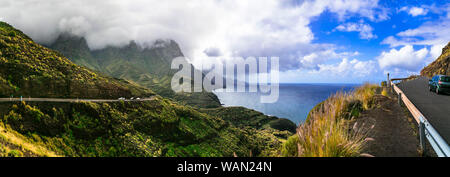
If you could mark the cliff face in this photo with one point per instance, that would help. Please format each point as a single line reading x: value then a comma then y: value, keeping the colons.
x: 440, y: 66
x: 147, y: 66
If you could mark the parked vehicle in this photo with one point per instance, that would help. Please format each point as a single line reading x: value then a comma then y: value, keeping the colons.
x: 132, y: 98
x: 138, y: 98
x: 439, y: 84
x: 121, y: 98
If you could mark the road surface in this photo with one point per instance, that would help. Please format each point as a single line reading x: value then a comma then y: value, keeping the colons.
x: 70, y: 99
x: 435, y: 108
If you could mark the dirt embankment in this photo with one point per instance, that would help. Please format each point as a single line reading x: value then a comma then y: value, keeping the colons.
x: 394, y: 134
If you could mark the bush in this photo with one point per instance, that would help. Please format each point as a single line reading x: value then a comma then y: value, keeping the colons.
x: 290, y: 147
x: 12, y: 34
x: 327, y: 133
x: 15, y: 153
x: 384, y: 92
x: 283, y: 124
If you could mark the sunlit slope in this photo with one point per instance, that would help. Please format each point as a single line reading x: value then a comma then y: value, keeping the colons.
x: 30, y: 70
x: 159, y: 127
x: 440, y: 66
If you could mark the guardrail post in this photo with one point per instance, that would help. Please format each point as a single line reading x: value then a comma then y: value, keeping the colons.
x: 422, y: 137
x: 391, y: 86
x: 400, y: 99
x: 388, y: 82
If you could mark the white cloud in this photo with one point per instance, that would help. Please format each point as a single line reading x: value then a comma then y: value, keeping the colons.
x: 365, y: 30
x: 405, y: 58
x: 233, y: 27
x: 353, y: 68
x: 366, y: 8
x: 313, y: 60
x: 436, y: 51
x: 415, y: 11
x: 433, y: 34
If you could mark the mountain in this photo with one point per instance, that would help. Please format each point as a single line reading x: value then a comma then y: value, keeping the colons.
x: 30, y: 70
x: 440, y: 66
x: 147, y: 66
x: 159, y: 127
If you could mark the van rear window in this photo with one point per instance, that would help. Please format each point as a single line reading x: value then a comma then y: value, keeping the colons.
x: 445, y: 79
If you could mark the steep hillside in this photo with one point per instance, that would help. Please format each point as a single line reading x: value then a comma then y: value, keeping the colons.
x: 440, y: 66
x: 146, y: 66
x: 30, y: 70
x: 243, y: 117
x: 151, y: 128
x: 159, y: 127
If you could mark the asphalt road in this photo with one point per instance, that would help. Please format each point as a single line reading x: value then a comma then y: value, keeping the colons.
x: 70, y: 99
x: 435, y: 108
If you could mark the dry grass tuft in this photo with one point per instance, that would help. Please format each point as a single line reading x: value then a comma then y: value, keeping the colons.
x: 11, y: 136
x: 384, y: 92
x: 328, y: 132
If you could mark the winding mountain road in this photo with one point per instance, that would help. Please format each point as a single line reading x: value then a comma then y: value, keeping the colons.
x: 70, y: 99
x: 435, y: 108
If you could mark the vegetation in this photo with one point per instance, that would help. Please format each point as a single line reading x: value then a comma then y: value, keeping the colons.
x: 30, y: 70
x: 147, y: 66
x: 151, y: 128
x: 14, y: 144
x: 160, y: 127
x: 243, y: 117
x: 440, y: 65
x: 384, y: 92
x: 328, y: 131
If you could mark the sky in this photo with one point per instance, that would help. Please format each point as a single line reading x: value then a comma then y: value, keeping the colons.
x: 322, y: 41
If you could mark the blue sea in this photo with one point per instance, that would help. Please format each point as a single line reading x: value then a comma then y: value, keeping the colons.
x: 294, y: 103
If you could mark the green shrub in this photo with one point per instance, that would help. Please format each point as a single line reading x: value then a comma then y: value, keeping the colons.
x: 12, y: 34
x: 283, y: 124
x: 326, y: 133
x: 15, y: 153
x: 384, y: 92
x: 290, y: 147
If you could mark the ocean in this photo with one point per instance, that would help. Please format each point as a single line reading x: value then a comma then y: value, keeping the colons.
x: 294, y: 103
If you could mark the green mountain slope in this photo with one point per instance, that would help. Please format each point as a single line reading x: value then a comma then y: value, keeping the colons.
x: 159, y: 127
x: 149, y: 67
x: 30, y: 70
x: 440, y: 66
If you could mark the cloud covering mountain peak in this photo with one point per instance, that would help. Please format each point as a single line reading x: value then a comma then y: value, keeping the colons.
x: 235, y: 27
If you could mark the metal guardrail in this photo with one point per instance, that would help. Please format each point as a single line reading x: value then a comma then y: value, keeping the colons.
x: 426, y: 130
x: 437, y: 142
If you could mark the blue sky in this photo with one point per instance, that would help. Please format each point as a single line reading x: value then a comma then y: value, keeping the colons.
x: 321, y: 41
x: 401, y: 16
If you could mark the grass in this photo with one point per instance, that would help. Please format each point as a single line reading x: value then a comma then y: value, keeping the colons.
x: 18, y: 140
x: 384, y: 92
x: 328, y: 131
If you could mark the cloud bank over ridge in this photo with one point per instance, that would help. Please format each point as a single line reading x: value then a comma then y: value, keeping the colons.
x: 233, y: 27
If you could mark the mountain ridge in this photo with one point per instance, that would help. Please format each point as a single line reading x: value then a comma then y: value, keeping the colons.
x: 148, y: 66
x: 440, y: 66
x: 158, y: 127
